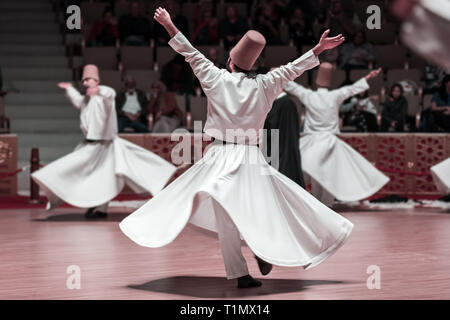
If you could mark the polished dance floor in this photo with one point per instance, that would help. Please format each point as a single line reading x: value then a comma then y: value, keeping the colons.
x: 38, y: 251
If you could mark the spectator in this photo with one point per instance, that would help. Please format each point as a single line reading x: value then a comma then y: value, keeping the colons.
x: 358, y: 53
x: 177, y: 76
x: 131, y: 105
x: 161, y: 35
x: 105, y: 32
x: 163, y: 106
x: 433, y: 75
x: 440, y: 106
x: 232, y: 27
x: 202, y: 6
x: 213, y: 56
x: 394, y: 110
x: 319, y: 8
x: 268, y: 22
x: 300, y: 29
x: 134, y: 28
x: 207, y: 29
x: 363, y: 113
x: 340, y: 23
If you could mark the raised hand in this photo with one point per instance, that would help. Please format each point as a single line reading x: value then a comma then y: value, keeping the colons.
x: 326, y: 43
x: 373, y: 74
x: 64, y: 85
x: 162, y: 16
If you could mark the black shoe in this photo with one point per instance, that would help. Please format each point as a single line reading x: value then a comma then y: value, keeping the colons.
x: 100, y: 214
x: 263, y: 266
x: 92, y: 214
x: 248, y: 282
x: 89, y: 213
x: 445, y: 198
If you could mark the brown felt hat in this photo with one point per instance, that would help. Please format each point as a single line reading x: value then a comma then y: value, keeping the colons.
x: 324, y: 74
x: 248, y: 49
x: 90, y: 71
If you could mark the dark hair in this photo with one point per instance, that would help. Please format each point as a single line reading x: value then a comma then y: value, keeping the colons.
x: 442, y: 91
x: 249, y: 74
x: 362, y: 32
x: 396, y: 85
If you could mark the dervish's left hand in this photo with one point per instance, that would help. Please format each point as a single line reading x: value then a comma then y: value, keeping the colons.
x: 327, y: 43
x: 373, y: 74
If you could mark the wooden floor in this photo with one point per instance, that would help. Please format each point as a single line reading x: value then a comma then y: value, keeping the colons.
x: 411, y: 247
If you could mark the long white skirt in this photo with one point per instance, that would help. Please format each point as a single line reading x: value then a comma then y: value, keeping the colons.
x: 339, y: 168
x: 281, y: 222
x: 441, y: 176
x: 95, y: 173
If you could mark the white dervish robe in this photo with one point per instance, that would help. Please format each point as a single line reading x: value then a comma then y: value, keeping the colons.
x: 281, y: 222
x: 427, y: 31
x: 96, y: 172
x: 441, y: 176
x: 327, y: 161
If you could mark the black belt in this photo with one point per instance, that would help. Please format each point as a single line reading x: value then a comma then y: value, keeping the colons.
x: 93, y: 141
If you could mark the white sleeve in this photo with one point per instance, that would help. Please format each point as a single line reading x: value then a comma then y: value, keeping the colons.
x: 274, y: 80
x: 206, y: 72
x: 349, y: 91
x: 75, y: 97
x: 296, y: 90
x: 108, y: 94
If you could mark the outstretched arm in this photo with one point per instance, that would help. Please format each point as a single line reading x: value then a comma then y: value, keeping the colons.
x: 109, y: 97
x: 358, y: 87
x: 206, y: 72
x: 296, y: 90
x: 274, y: 80
x: 74, y: 96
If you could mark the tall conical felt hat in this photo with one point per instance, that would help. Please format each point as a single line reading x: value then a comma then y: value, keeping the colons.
x: 324, y: 74
x: 90, y: 71
x: 248, y: 49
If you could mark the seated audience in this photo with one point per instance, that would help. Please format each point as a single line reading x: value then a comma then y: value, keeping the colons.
x: 206, y: 31
x: 268, y: 20
x: 131, y: 106
x: 339, y: 22
x: 394, y: 111
x: 432, y: 77
x: 358, y: 53
x: 232, y: 27
x: 178, y: 76
x: 163, y: 106
x: 362, y: 112
x: 440, y: 106
x: 300, y: 29
x: 134, y: 28
x: 161, y: 35
x: 105, y: 32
